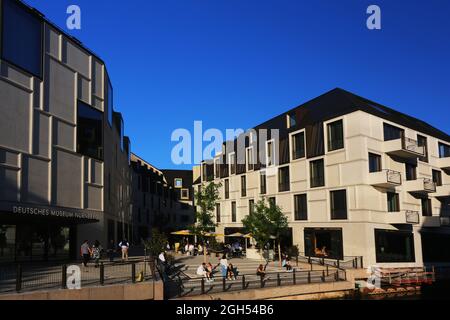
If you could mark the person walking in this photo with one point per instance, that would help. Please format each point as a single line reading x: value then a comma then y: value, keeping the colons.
x: 124, y: 246
x: 85, y: 252
x: 97, y: 252
x: 110, y: 251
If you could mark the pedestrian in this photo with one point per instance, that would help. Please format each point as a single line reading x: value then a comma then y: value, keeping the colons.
x: 96, y: 252
x: 191, y: 249
x: 223, y: 266
x: 124, y: 246
x: 85, y: 252
x: 110, y: 251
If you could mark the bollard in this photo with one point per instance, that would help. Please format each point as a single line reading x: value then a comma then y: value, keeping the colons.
x: 102, y: 274
x: 278, y: 280
x: 133, y: 272
x: 19, y: 278
x: 243, y: 282
x: 328, y: 273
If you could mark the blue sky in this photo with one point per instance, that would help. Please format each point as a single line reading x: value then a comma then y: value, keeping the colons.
x: 237, y: 63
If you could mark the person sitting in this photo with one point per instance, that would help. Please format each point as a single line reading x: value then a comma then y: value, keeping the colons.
x: 288, y: 265
x: 231, y: 275
x: 210, y: 271
x: 261, y: 271
x: 324, y: 251
x: 199, y: 249
x: 317, y: 252
x: 202, y: 271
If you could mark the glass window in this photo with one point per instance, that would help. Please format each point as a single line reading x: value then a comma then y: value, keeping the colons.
x: 232, y: 160
x: 178, y: 182
x: 391, y: 132
x: 22, y: 38
x: 251, y: 206
x: 272, y: 201
x: 437, y: 177
x: 263, y: 186
x: 444, y: 150
x: 300, y: 207
x: 422, y: 142
x: 270, y: 153
x: 89, y: 131
x: 184, y: 194
x: 335, y: 135
x: 110, y: 103
x: 250, y: 159
x: 317, y: 173
x: 283, y: 179
x: 374, y: 162
x: 394, y: 246
x: 411, y: 171
x: 227, y: 189
x: 291, y: 120
x: 217, y: 212
x: 393, y: 202
x: 217, y: 168
x: 298, y: 145
x: 338, y: 204
x: 426, y: 207
x: 243, y: 186
x: 233, y: 211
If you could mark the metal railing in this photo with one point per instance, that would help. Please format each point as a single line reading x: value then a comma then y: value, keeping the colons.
x: 192, y: 287
x: 393, y: 176
x: 348, y: 262
x: 429, y: 185
x: 412, y: 145
x: 30, y: 277
x: 412, y: 217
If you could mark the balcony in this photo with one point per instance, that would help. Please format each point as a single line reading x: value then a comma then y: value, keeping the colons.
x: 431, y: 221
x: 402, y: 217
x: 421, y: 185
x: 385, y: 179
x: 404, y: 148
x: 444, y: 163
x: 442, y: 191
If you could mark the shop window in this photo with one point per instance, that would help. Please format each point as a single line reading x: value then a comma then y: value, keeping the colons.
x: 394, y: 246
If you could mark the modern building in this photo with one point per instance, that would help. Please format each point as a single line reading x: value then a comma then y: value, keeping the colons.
x: 353, y: 176
x: 64, y: 159
x: 162, y: 199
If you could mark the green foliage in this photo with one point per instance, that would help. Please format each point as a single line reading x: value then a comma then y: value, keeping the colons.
x: 266, y: 222
x: 215, y: 246
x: 206, y: 200
x: 293, y: 251
x: 156, y: 244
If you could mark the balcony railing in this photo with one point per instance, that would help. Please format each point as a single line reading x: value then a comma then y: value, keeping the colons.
x: 412, y: 145
x: 385, y: 178
x: 393, y: 177
x: 429, y: 185
x: 412, y: 217
x: 404, y: 147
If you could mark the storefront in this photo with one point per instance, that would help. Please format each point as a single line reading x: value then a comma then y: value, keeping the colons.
x: 37, y: 233
x: 394, y: 246
x: 324, y: 242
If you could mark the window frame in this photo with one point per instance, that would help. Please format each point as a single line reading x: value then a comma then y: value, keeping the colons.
x: 335, y: 213
x: 262, y: 173
x: 233, y: 211
x: 396, y: 204
x: 303, y: 215
x: 311, y: 185
x: 379, y: 161
x: 273, y: 161
x: 226, y: 189
x: 292, y: 145
x: 250, y: 165
x: 243, y: 185
x: 281, y: 183
x: 232, y: 155
x: 330, y: 147
x: 102, y: 158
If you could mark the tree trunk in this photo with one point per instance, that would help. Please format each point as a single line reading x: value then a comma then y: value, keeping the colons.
x: 279, y: 251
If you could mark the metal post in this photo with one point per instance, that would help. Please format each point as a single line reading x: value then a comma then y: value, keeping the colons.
x: 309, y: 276
x: 311, y: 267
x: 102, y: 274
x: 243, y: 282
x: 362, y: 263
x: 338, y: 263
x: 133, y: 272
x: 224, y: 284
x: 262, y: 282
x: 323, y: 275
x: 63, y: 276
x: 309, y: 259
x: 328, y: 272
x: 294, y: 278
x: 278, y: 280
x: 203, y: 286
x: 19, y: 278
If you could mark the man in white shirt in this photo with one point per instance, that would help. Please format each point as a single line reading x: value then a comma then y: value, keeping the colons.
x: 124, y: 245
x: 162, y: 258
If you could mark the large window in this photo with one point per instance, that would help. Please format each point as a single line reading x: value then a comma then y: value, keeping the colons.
x: 233, y: 211
x: 298, y: 145
x: 272, y: 201
x: 227, y: 189
x: 393, y: 202
x: 411, y: 171
x: 250, y: 159
x: 263, y: 181
x: 394, y: 246
x: 426, y: 207
x: 291, y: 120
x: 217, y: 212
x: 283, y: 179
x: 374, y: 162
x: 317, y: 173
x: 335, y: 135
x: 251, y: 206
x: 270, y: 153
x: 243, y: 186
x: 444, y: 150
x: 22, y: 38
x: 324, y: 243
x: 232, y: 162
x: 391, y: 132
x: 300, y: 207
x: 89, y: 131
x: 437, y: 177
x: 422, y: 142
x: 338, y: 203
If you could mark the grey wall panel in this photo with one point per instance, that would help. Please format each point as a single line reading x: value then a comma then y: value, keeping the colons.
x: 15, y: 75
x: 97, y: 103
x: 9, y: 157
x: 84, y: 92
x: 15, y: 115
x: 41, y: 134
x: 37, y: 93
x: 93, y: 197
x: 60, y: 90
x: 35, y: 180
x: 63, y: 134
x: 52, y: 40
x: 76, y: 58
x: 66, y: 175
x: 97, y: 79
x: 9, y: 184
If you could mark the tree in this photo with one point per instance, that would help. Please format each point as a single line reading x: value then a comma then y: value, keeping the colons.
x: 266, y: 222
x: 156, y: 244
x: 206, y: 200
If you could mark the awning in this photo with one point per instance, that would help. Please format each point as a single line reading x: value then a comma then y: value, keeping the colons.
x: 183, y: 233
